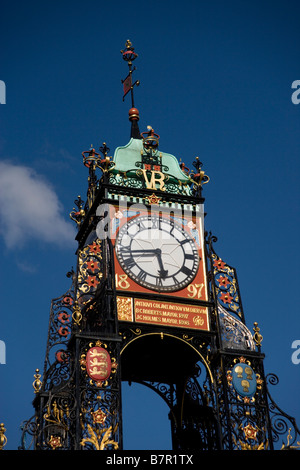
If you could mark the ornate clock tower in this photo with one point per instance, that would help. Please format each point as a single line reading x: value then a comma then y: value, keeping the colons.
x: 151, y: 302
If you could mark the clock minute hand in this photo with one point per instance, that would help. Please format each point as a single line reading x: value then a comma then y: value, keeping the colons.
x: 149, y: 252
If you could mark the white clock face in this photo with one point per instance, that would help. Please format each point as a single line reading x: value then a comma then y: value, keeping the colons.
x: 157, y: 253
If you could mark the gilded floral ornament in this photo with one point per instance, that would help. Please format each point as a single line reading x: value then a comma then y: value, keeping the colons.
x: 153, y: 199
x: 56, y: 419
x: 249, y: 439
x: 250, y: 432
x: 288, y: 445
x: 99, y: 416
x: 246, y: 446
x: 56, y: 415
x: 100, y: 438
x: 55, y: 442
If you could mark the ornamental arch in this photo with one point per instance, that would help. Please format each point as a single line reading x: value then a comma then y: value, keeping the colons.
x: 175, y: 369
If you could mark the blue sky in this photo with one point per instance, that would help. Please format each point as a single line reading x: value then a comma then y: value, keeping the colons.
x: 215, y: 83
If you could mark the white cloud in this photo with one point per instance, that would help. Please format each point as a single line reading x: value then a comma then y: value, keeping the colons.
x: 30, y: 209
x: 26, y: 267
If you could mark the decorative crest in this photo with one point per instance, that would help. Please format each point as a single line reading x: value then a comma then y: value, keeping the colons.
x: 92, y: 160
x: 90, y: 157
x: 150, y: 139
x: 128, y: 54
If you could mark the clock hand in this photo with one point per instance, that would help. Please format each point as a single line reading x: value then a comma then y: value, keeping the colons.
x: 150, y: 252
x: 153, y: 252
x: 162, y: 272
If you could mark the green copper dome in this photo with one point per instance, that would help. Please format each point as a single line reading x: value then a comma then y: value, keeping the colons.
x: 136, y: 165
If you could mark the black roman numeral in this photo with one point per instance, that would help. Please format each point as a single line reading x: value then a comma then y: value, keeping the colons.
x: 141, y: 225
x: 154, y: 222
x: 129, y: 261
x: 142, y: 275
x: 125, y: 250
x: 186, y: 270
x: 127, y: 256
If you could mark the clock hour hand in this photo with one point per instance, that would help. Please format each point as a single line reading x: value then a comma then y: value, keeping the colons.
x: 162, y: 272
x: 153, y: 252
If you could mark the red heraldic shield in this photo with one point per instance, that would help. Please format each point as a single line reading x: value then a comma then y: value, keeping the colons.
x: 98, y: 364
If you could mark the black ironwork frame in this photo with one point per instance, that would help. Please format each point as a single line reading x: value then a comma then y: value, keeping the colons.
x: 206, y: 411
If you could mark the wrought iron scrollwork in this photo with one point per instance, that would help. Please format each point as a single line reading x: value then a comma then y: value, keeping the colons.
x: 60, y: 327
x: 29, y: 430
x: 283, y: 425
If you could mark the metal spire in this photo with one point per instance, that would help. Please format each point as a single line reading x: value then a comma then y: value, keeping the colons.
x: 129, y: 56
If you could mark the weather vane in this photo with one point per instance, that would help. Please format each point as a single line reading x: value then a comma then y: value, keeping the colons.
x: 129, y: 56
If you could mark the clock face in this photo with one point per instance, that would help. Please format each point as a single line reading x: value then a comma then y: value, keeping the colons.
x: 157, y: 253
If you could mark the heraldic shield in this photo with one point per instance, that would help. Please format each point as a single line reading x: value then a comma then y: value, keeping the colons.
x: 244, y: 380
